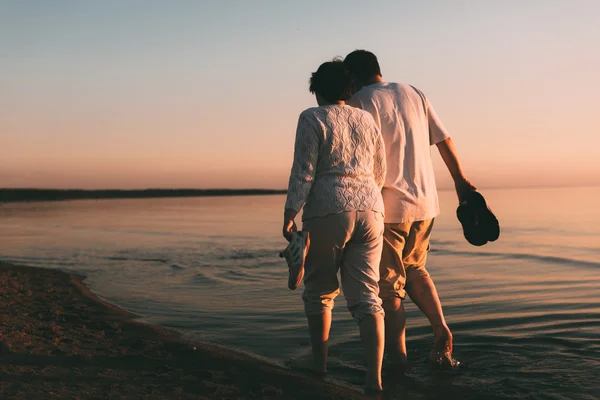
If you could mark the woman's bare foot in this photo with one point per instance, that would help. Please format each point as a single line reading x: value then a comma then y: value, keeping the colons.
x: 306, y: 365
x: 373, y: 392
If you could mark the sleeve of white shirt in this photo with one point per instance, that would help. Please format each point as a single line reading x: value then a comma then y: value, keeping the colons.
x: 306, y: 154
x: 437, y: 131
x: 379, y: 164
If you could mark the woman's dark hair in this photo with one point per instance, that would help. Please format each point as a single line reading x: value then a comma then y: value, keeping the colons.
x: 362, y: 64
x: 332, y: 81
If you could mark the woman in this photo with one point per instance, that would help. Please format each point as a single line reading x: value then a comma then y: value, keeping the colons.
x: 337, y: 175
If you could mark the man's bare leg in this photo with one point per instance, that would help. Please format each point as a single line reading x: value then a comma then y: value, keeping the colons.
x: 423, y: 293
x: 395, y: 331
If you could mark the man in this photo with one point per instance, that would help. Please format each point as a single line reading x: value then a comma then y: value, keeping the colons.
x: 409, y: 127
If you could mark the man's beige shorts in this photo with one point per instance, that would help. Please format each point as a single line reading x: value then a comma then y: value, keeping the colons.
x: 405, y: 248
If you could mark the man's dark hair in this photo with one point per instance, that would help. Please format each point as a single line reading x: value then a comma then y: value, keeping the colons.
x: 332, y: 81
x: 362, y: 64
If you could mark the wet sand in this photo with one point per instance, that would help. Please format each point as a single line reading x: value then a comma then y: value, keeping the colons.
x: 59, y: 340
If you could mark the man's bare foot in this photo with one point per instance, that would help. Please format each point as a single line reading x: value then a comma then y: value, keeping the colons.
x: 397, y: 365
x: 441, y: 354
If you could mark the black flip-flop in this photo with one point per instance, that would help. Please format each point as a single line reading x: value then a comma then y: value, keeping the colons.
x: 487, y: 219
x: 479, y: 223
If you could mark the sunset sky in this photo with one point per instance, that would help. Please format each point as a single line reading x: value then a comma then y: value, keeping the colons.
x: 206, y: 94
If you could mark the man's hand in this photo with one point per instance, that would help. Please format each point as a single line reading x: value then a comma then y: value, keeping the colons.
x: 463, y: 188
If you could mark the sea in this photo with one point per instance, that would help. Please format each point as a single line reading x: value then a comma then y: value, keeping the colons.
x: 524, y: 310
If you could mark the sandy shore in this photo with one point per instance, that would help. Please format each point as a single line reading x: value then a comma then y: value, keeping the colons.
x: 58, y: 340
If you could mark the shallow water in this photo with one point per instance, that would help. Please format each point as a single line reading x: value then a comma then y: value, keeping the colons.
x: 525, y: 310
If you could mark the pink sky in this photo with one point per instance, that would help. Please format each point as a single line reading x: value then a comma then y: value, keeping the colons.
x: 117, y: 95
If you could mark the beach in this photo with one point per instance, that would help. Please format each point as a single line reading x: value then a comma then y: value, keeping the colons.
x: 59, y: 340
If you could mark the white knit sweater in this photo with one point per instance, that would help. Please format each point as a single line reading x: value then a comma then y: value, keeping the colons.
x: 339, y: 162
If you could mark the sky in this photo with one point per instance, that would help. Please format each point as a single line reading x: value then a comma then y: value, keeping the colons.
x: 206, y: 94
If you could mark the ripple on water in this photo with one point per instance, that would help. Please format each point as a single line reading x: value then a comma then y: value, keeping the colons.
x: 245, y: 254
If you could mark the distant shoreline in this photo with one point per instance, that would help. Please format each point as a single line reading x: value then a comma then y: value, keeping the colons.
x: 21, y: 195
x: 8, y: 195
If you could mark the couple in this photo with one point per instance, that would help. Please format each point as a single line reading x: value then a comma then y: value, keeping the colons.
x: 363, y: 173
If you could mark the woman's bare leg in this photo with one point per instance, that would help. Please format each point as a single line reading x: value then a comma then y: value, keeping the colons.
x: 372, y: 336
x: 319, y: 326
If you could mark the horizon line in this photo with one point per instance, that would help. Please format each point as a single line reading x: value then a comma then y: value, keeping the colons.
x: 12, y: 195
x: 281, y: 189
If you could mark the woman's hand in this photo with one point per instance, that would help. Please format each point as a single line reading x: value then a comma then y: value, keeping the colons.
x: 289, y: 225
